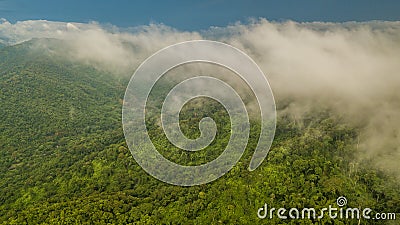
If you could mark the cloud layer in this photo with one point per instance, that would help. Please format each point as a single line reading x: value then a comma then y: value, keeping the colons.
x: 351, y: 67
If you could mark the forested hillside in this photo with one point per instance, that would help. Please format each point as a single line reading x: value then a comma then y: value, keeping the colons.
x: 63, y: 157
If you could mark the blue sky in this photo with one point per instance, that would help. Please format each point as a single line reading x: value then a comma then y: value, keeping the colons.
x: 197, y: 15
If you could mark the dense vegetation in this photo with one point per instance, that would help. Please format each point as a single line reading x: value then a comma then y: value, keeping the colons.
x: 63, y: 157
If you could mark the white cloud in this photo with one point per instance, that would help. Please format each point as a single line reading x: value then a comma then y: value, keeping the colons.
x: 353, y: 68
x: 106, y: 47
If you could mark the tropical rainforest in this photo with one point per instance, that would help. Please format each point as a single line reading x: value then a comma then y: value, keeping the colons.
x: 64, y: 159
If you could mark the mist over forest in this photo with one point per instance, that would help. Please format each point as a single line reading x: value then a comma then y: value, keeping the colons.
x: 352, y: 68
x: 336, y: 87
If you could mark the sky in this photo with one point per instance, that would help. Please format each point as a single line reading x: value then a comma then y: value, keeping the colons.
x: 197, y: 15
